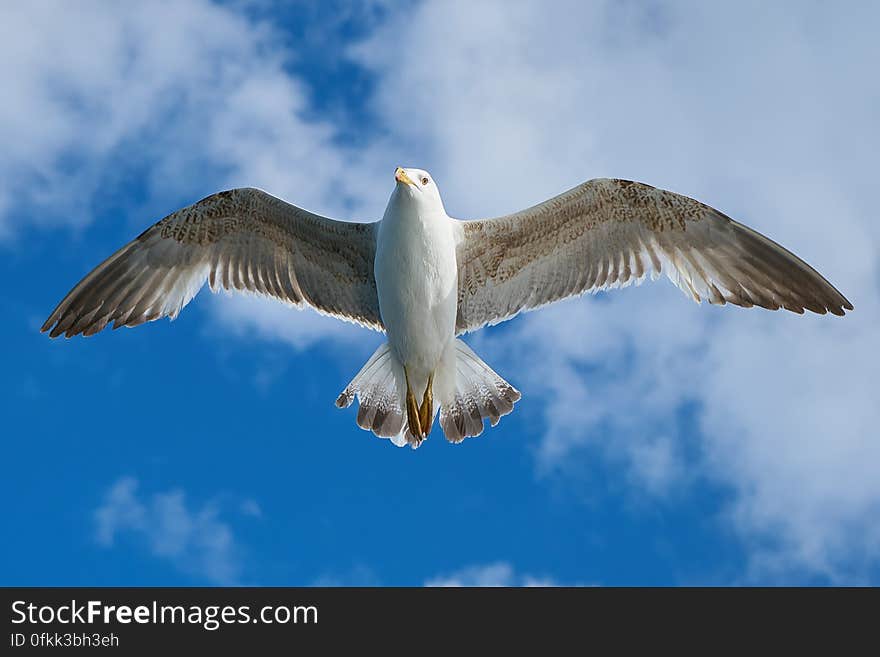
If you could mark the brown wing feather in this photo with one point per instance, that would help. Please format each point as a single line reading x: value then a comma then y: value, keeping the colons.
x: 609, y: 233
x: 241, y: 239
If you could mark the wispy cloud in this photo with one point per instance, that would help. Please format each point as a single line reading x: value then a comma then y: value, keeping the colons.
x: 499, y: 573
x: 250, y: 316
x: 357, y: 575
x: 156, y: 91
x: 193, y: 538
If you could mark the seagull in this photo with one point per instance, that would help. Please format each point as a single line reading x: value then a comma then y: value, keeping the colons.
x: 424, y: 279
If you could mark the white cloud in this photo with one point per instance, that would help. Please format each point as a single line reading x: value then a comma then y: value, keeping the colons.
x: 160, y: 90
x: 194, y: 539
x: 251, y: 316
x: 251, y: 508
x: 357, y: 575
x: 764, y: 111
x: 494, y: 574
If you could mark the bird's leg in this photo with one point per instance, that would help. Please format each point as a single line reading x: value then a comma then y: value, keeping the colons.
x: 412, y: 410
x: 426, y: 412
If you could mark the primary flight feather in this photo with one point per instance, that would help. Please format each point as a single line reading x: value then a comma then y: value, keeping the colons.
x: 424, y: 278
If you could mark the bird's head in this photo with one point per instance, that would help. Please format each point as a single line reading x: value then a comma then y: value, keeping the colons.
x: 418, y: 187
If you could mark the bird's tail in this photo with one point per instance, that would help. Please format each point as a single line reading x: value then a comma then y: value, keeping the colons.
x: 466, y: 392
x: 379, y: 394
x: 476, y: 393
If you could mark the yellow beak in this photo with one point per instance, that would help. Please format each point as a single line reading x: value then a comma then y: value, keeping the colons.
x: 400, y: 176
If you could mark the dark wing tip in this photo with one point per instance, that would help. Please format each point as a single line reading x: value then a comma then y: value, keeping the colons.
x: 840, y: 310
x: 791, y: 278
x: 840, y: 303
x: 52, y: 325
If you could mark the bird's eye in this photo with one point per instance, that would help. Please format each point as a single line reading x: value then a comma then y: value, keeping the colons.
x: 425, y: 181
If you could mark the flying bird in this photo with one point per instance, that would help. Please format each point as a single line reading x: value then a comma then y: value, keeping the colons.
x: 424, y: 279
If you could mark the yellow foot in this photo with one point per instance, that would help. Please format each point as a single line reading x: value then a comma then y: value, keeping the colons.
x: 426, y: 412
x: 412, y: 410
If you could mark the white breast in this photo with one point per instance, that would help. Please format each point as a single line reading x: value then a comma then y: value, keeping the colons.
x: 417, y: 282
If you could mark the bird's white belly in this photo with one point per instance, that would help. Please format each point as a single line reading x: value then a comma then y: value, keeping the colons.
x: 417, y: 285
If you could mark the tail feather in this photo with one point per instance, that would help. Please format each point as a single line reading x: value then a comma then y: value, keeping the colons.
x: 480, y: 393
x: 468, y: 392
x: 376, y: 388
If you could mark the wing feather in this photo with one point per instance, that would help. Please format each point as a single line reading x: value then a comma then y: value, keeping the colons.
x: 241, y: 239
x: 611, y: 233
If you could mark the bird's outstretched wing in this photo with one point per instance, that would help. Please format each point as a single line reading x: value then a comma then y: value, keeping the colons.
x: 241, y: 239
x: 609, y: 233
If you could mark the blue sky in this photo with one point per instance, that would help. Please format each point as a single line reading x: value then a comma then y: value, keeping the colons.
x: 657, y: 442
